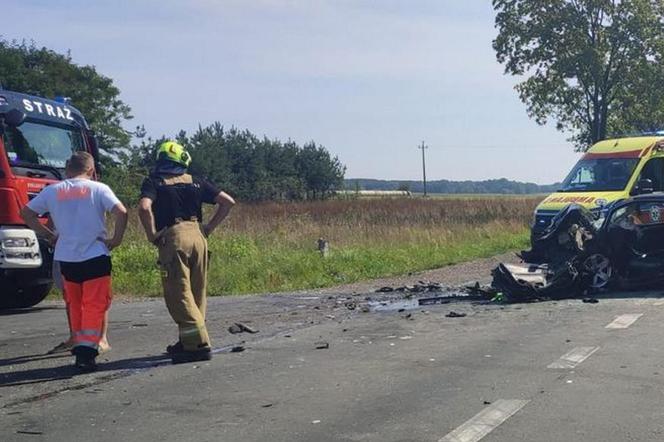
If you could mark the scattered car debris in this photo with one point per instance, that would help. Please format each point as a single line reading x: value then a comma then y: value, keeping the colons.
x: 422, y: 286
x: 435, y: 300
x: 590, y: 300
x: 240, y: 327
x: 454, y: 314
x: 234, y: 329
x: 62, y: 347
x: 267, y: 405
x: 321, y: 345
x: 237, y: 349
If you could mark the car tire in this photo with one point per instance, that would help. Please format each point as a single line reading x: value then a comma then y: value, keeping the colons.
x: 600, y: 271
x: 24, y: 298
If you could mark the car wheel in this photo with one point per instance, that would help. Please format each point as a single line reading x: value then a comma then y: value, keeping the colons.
x: 600, y: 270
x: 24, y: 298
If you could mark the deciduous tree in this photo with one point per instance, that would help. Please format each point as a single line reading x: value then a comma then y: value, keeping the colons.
x: 592, y: 66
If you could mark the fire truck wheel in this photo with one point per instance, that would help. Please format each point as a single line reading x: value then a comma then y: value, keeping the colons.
x: 25, y: 298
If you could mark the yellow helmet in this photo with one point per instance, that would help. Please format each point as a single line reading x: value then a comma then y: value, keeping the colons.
x: 173, y: 151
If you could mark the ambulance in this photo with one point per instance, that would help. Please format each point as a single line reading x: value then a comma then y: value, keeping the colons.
x: 610, y: 171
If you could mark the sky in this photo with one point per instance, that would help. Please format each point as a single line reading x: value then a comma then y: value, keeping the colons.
x: 369, y: 80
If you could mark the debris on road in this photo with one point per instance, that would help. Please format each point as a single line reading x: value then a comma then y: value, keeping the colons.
x: 321, y: 345
x: 234, y: 329
x: 237, y: 349
x: 422, y: 286
x: 590, y: 300
x: 240, y: 327
x: 454, y: 314
x: 62, y: 347
x: 435, y: 300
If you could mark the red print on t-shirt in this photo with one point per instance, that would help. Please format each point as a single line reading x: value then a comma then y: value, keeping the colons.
x: 73, y: 193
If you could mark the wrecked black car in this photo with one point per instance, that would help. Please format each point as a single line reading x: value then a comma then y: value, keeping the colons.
x: 578, y: 254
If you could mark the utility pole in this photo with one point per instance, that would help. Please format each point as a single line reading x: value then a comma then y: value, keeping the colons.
x: 424, y: 167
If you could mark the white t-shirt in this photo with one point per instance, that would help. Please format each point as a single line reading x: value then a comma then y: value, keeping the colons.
x: 77, y: 207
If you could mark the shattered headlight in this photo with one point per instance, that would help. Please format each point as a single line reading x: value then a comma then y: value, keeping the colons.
x: 600, y: 215
x: 15, y: 243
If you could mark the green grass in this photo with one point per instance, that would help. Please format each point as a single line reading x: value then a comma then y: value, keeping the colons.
x: 241, y: 264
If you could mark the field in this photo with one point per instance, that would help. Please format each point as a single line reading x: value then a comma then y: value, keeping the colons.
x: 272, y: 247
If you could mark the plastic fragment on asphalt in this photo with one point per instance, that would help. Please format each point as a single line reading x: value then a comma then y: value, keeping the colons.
x: 454, y: 314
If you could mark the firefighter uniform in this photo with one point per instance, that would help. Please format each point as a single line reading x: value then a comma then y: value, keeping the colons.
x: 177, y: 200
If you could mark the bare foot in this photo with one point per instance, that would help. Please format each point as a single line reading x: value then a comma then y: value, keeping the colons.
x: 104, y: 346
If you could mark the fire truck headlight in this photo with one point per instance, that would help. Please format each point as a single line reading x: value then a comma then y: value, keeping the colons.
x: 13, y: 243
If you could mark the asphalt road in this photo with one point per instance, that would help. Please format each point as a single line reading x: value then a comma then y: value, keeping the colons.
x: 548, y: 371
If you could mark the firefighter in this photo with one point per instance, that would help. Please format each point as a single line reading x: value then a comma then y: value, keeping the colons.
x: 77, y: 207
x: 171, y: 213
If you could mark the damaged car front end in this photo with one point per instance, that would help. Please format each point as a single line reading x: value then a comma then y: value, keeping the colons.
x: 580, y: 252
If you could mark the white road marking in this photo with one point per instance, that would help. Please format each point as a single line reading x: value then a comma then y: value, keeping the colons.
x: 658, y: 303
x: 624, y: 321
x: 485, y: 421
x: 574, y: 357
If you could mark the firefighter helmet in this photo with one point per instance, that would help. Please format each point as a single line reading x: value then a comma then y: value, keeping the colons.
x: 173, y: 151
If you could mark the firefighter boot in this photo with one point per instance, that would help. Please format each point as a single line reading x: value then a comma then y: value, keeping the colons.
x: 204, y: 353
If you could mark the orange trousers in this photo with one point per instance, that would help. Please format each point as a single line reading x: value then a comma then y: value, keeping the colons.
x: 87, y: 292
x: 87, y: 303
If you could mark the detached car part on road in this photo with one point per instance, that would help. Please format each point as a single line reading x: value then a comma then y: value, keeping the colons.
x: 577, y: 253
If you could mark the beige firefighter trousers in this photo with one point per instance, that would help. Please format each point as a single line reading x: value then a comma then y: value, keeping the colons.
x: 183, y: 259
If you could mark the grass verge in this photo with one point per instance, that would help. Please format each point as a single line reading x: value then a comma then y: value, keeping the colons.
x: 241, y: 264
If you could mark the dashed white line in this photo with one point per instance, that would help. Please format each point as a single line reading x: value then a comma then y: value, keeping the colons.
x: 485, y: 421
x: 624, y: 321
x: 574, y: 357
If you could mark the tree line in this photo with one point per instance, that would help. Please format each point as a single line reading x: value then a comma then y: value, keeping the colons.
x: 249, y: 167
x: 241, y: 163
x: 496, y: 186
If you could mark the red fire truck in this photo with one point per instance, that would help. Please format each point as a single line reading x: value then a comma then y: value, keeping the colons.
x: 37, y: 136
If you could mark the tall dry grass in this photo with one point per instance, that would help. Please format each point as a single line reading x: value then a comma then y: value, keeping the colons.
x: 272, y: 246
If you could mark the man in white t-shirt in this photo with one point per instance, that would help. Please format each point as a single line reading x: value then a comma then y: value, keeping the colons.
x: 77, y: 206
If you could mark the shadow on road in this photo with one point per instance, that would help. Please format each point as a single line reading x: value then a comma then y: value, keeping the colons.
x: 31, y: 358
x: 23, y: 311
x: 42, y: 375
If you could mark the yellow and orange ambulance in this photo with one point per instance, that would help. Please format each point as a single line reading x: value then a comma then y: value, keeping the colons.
x: 610, y: 171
